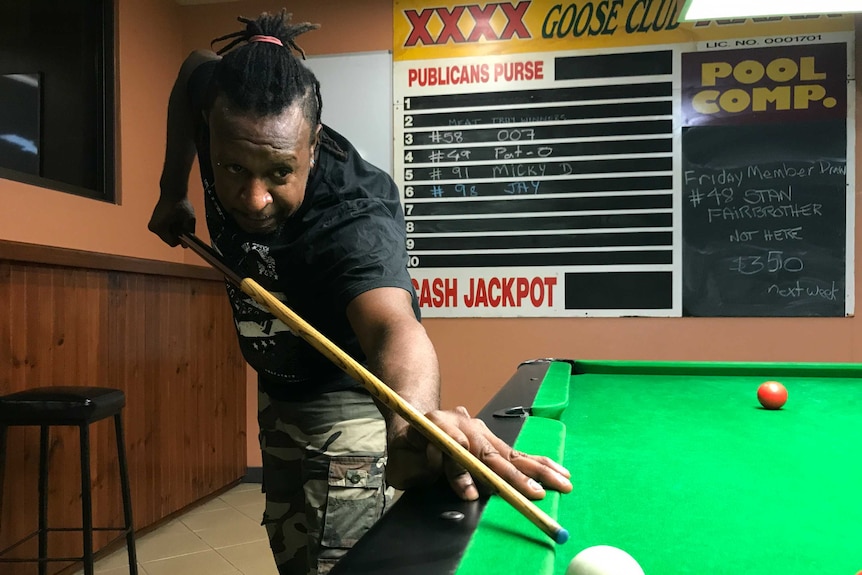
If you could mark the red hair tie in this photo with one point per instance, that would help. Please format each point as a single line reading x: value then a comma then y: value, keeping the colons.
x: 270, y: 39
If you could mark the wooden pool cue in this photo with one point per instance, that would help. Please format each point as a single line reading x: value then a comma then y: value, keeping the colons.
x: 381, y: 391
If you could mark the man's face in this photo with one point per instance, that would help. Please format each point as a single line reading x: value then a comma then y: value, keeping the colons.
x: 261, y: 164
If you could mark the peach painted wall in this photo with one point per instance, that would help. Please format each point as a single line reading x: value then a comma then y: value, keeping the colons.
x: 476, y: 355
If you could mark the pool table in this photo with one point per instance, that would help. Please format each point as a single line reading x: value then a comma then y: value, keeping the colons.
x: 676, y: 463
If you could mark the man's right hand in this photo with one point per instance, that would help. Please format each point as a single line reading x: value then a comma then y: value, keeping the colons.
x: 171, y: 218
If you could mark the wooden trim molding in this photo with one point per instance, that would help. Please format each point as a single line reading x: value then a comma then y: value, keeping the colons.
x: 39, y: 254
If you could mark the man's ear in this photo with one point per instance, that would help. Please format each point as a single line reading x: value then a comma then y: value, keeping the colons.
x: 315, y: 139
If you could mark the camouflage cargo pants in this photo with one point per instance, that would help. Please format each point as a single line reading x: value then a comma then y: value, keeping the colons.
x: 323, y: 464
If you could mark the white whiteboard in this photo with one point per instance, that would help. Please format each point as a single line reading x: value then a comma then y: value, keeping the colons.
x: 357, y: 101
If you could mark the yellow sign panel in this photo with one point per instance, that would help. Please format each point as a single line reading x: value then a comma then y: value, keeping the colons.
x: 429, y: 31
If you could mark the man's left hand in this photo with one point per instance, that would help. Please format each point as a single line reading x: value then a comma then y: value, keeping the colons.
x: 414, y: 460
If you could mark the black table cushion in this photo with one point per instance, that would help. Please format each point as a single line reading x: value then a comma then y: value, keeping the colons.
x: 60, y: 405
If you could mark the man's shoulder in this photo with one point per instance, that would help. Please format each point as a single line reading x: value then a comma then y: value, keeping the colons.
x: 342, y: 151
x: 348, y: 173
x: 199, y: 82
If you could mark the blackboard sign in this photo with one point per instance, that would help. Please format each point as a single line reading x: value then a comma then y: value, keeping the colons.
x: 764, y: 228
x: 764, y: 181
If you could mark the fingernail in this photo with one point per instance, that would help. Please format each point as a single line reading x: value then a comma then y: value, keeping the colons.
x: 534, y: 486
x: 465, y: 480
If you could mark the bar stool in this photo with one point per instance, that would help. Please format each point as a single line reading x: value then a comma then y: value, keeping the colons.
x: 78, y: 406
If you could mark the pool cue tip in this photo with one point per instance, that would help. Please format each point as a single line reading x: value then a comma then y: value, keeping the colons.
x: 561, y: 536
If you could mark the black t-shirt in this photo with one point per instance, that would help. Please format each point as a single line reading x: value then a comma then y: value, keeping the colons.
x: 348, y: 237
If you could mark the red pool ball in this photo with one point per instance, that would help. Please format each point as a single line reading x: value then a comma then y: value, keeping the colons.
x: 772, y: 395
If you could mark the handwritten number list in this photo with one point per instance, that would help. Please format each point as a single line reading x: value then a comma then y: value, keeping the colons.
x: 575, y: 172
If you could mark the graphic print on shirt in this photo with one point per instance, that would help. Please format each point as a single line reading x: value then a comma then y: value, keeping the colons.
x: 267, y: 343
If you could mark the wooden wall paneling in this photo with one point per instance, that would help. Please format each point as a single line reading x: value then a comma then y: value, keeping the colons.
x: 182, y: 390
x: 172, y: 412
x: 23, y: 471
x: 64, y: 479
x: 228, y: 402
x: 150, y: 381
x: 235, y: 390
x: 191, y: 399
x: 169, y: 343
x: 140, y: 414
x: 113, y: 326
x: 171, y: 371
x: 194, y: 382
x: 107, y: 500
x: 125, y: 365
x: 210, y: 392
x: 217, y: 398
x: 178, y: 309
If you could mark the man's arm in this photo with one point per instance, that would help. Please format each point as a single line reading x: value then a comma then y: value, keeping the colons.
x: 173, y: 213
x: 402, y: 356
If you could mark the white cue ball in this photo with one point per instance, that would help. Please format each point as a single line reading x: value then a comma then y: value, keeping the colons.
x: 603, y: 560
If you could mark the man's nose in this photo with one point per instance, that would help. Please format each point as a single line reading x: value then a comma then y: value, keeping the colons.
x: 256, y: 195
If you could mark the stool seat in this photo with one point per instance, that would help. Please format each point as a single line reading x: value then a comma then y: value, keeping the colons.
x: 79, y: 406
x: 60, y: 405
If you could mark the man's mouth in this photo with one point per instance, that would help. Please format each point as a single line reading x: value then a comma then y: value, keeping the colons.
x: 256, y: 222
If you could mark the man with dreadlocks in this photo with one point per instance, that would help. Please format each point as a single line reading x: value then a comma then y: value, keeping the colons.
x: 290, y: 203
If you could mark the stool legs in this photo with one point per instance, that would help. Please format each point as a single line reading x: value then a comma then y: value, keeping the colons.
x: 127, y: 495
x: 86, y: 499
x: 43, y: 497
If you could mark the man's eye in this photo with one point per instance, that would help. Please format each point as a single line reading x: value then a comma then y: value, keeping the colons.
x: 282, y: 172
x: 234, y: 169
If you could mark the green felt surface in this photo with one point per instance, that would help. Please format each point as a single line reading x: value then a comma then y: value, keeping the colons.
x: 553, y: 395
x: 678, y: 465
x: 507, y: 534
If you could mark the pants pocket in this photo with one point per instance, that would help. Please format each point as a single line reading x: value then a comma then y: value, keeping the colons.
x: 355, y: 499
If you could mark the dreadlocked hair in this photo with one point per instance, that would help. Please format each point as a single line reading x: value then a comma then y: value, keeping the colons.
x: 264, y: 78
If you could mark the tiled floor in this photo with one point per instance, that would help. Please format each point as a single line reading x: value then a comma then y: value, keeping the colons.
x: 220, y: 537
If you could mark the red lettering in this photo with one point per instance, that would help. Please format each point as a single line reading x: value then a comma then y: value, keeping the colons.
x: 550, y: 282
x: 508, y: 300
x: 493, y: 284
x: 523, y: 289
x: 518, y: 71
x: 424, y: 293
x: 419, y: 21
x: 437, y: 292
x: 502, y: 292
x: 437, y: 288
x: 450, y: 25
x: 483, y: 27
x: 450, y: 293
x: 481, y: 297
x: 515, y: 24
x: 537, y: 298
